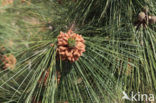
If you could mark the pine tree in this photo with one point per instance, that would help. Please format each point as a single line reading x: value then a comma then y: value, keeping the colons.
x: 77, y: 51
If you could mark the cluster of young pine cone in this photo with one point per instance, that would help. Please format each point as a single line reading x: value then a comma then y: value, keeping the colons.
x: 7, y: 61
x: 143, y: 15
x: 70, y: 46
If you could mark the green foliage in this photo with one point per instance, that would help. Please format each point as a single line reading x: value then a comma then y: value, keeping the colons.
x: 117, y: 58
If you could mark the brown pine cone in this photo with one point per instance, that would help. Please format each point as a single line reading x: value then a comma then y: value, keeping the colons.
x: 152, y: 19
x: 141, y: 16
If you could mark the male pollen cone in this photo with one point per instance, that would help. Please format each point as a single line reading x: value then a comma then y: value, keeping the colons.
x: 70, y: 46
x: 7, y: 2
x: 9, y: 61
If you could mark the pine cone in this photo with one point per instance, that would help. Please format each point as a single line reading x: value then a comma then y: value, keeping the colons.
x: 7, y: 2
x: 70, y: 46
x: 8, y: 61
x: 11, y: 62
x: 141, y: 16
x: 152, y: 19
